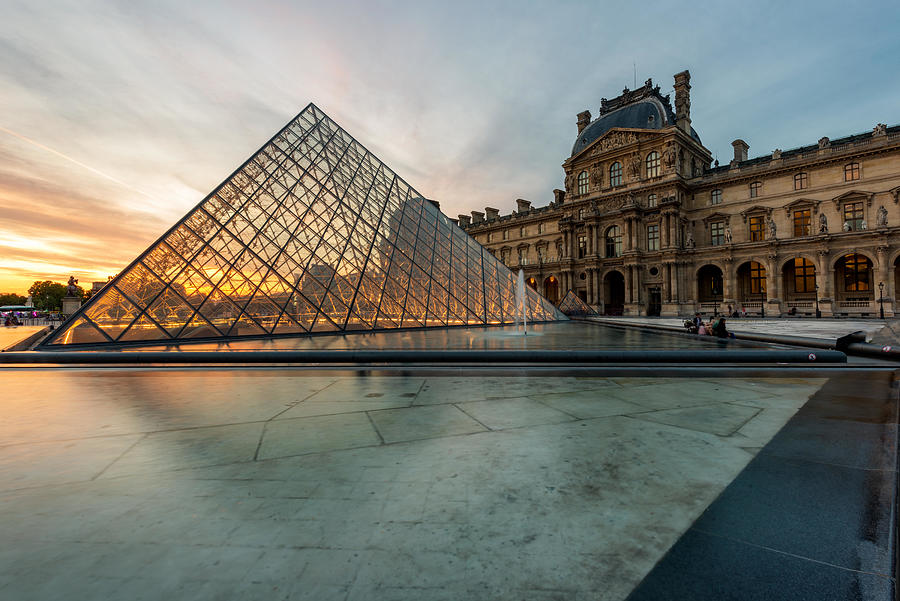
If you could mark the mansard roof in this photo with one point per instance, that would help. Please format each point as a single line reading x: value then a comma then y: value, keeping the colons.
x: 644, y: 108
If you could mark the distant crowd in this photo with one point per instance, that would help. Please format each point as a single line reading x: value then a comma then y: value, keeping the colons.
x: 714, y: 327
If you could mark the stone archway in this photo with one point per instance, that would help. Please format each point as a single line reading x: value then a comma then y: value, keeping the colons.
x: 551, y: 289
x: 709, y: 285
x: 751, y: 280
x: 532, y: 282
x: 614, y: 293
x: 854, y: 284
x: 799, y: 285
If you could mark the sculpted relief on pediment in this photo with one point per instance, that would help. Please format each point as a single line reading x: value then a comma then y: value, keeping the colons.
x: 616, y: 139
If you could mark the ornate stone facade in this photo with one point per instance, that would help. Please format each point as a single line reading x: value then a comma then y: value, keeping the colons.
x: 648, y: 225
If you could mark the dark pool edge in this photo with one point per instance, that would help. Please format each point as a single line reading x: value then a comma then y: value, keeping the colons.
x: 735, y: 550
x: 414, y: 357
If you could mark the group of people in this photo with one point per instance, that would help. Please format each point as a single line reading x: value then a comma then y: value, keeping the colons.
x: 11, y: 320
x: 715, y: 327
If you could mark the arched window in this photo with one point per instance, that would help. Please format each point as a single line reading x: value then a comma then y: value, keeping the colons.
x: 651, y: 201
x: 614, y: 242
x: 715, y: 197
x: 851, y: 172
x: 615, y: 174
x: 757, y: 278
x: 856, y: 273
x: 653, y: 164
x: 804, y: 275
x: 583, y: 182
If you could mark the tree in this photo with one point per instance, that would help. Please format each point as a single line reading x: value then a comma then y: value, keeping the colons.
x: 48, y: 295
x: 11, y: 298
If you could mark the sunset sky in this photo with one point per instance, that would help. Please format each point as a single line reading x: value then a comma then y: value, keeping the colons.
x: 117, y: 117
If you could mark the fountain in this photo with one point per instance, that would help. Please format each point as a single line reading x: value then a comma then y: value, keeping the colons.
x: 520, y: 303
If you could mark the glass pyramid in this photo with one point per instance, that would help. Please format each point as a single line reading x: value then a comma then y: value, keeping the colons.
x: 571, y: 304
x: 312, y: 234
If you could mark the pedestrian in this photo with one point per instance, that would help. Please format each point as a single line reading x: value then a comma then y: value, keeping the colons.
x: 719, y: 329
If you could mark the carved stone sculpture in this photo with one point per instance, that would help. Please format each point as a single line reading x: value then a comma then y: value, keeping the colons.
x: 879, y: 130
x: 823, y: 224
x: 846, y: 226
x: 773, y: 231
x: 597, y: 177
x: 635, y: 165
x: 824, y: 142
x: 669, y: 157
x: 690, y: 241
x: 881, y: 219
x: 727, y: 235
x: 72, y: 289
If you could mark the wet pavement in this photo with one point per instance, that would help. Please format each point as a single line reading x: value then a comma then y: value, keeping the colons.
x: 289, y: 484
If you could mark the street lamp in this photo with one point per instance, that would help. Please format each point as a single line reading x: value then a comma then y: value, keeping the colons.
x: 762, y: 302
x: 818, y: 313
x: 881, y: 299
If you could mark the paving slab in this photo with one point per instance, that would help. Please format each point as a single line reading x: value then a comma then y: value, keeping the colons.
x: 520, y: 488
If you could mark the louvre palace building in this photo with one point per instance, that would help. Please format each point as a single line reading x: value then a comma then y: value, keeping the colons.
x: 649, y: 225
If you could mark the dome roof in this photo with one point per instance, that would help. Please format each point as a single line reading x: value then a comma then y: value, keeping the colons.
x: 646, y: 113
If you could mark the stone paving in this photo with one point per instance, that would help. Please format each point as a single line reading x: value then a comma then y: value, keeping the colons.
x: 13, y: 334
x: 280, y: 484
x: 807, y: 327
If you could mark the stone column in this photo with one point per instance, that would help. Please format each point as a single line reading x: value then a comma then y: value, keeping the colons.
x: 666, y: 290
x: 728, y: 282
x: 675, y: 292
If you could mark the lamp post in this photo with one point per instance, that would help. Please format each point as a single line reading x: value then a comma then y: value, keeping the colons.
x: 762, y: 303
x: 881, y: 299
x: 818, y: 313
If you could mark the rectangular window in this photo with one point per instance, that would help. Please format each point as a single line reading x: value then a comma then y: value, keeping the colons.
x: 801, y: 181
x: 851, y: 172
x: 757, y: 228
x: 523, y: 256
x: 653, y: 237
x: 580, y: 214
x: 504, y: 256
x: 715, y: 197
x: 755, y: 189
x: 717, y: 233
x: 490, y: 237
x: 651, y: 201
x: 801, y: 223
x: 541, y: 228
x: 506, y: 234
x: 582, y: 247
x: 853, y: 216
x: 542, y: 254
x: 521, y: 232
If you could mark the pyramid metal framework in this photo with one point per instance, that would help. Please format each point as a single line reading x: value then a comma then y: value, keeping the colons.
x: 571, y: 304
x: 313, y: 234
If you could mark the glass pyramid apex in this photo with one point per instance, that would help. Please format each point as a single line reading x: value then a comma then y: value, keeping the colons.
x: 312, y: 234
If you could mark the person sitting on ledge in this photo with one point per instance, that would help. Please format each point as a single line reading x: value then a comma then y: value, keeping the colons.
x: 718, y: 328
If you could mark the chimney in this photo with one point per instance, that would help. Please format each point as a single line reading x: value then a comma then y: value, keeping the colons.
x: 464, y: 220
x: 491, y: 213
x: 740, y: 151
x: 683, y: 101
x: 558, y: 196
x: 477, y: 217
x: 584, y: 117
x: 523, y: 206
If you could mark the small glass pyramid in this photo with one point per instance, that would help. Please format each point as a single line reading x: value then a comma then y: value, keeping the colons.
x: 312, y: 234
x: 572, y: 305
